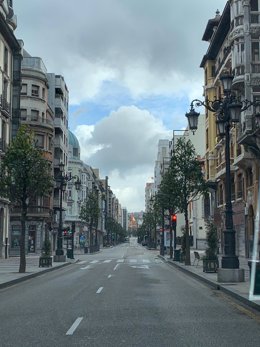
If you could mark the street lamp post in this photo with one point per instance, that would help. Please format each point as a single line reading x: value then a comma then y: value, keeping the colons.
x: 228, y: 110
x: 62, y: 179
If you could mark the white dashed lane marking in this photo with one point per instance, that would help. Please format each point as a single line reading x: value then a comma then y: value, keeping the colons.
x: 74, y: 326
x: 99, y: 290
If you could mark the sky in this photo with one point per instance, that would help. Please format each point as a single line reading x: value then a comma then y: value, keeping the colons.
x: 132, y: 69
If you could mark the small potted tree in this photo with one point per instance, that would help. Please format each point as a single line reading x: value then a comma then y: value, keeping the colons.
x: 210, y: 260
x: 45, y: 258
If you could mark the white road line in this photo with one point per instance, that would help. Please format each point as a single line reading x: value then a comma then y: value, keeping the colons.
x: 109, y: 276
x: 85, y: 267
x: 133, y: 260
x: 140, y: 266
x: 99, y: 290
x: 74, y: 326
x: 120, y: 260
x: 116, y: 267
x: 107, y: 261
x: 94, y: 261
x: 146, y: 261
x: 82, y: 262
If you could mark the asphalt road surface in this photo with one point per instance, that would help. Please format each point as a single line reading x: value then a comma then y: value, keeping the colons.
x: 122, y: 296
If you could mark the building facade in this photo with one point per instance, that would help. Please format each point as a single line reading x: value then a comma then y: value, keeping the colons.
x: 58, y: 99
x: 10, y: 84
x: 234, y: 39
x: 37, y: 115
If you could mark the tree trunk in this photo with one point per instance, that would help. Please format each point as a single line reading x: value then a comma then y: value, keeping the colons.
x: 22, y: 267
x: 187, y: 238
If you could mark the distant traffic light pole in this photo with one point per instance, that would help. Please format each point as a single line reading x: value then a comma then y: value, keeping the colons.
x: 174, y: 225
x: 162, y: 235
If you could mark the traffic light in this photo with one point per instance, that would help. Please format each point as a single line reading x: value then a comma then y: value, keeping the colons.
x: 174, y: 221
x: 67, y: 232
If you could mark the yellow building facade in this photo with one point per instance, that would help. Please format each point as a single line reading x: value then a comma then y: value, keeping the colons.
x: 234, y: 41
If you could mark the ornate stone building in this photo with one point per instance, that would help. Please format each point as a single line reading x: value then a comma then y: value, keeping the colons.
x: 234, y: 41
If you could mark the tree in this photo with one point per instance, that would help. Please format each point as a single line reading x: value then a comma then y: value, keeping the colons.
x: 116, y: 229
x: 150, y: 219
x: 185, y: 180
x: 166, y: 198
x: 25, y: 175
x: 90, y: 212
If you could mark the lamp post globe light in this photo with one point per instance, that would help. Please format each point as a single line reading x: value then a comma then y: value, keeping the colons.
x: 62, y: 180
x: 227, y: 110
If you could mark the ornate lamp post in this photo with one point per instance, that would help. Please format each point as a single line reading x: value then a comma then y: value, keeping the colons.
x: 62, y: 180
x: 228, y: 110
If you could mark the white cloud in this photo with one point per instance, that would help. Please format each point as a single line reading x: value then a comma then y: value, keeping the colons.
x: 149, y: 46
x: 142, y: 48
x: 124, y: 147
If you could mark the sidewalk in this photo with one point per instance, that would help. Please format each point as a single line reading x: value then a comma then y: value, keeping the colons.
x: 239, y: 291
x: 9, y: 269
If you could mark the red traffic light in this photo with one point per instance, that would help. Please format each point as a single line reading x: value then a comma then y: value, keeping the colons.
x: 174, y: 218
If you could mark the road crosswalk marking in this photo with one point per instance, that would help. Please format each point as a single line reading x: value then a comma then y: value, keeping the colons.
x: 82, y: 262
x: 118, y: 261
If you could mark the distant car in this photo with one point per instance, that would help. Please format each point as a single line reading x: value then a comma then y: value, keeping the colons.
x: 126, y: 239
x: 144, y: 243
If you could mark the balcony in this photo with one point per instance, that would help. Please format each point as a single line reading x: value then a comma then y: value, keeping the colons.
x: 244, y: 159
x: 33, y: 211
x: 4, y: 104
x: 37, y: 121
x: 221, y: 169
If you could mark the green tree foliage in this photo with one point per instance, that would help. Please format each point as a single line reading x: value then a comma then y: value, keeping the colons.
x: 24, y: 175
x: 166, y: 202
x: 149, y: 224
x: 90, y: 212
x: 115, y: 229
x: 184, y: 181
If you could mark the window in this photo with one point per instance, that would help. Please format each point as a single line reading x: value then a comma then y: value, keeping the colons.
x: 6, y: 60
x: 39, y: 140
x: 35, y: 90
x: 15, y: 236
x: 254, y: 5
x: 43, y: 93
x: 249, y: 177
x: 206, y: 206
x: 49, y: 143
x: 24, y: 89
x: 75, y: 152
x: 239, y: 186
x: 220, y: 195
x: 34, y: 115
x: 255, y: 51
x: 23, y: 114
